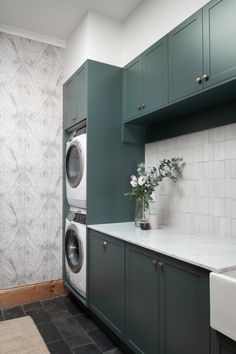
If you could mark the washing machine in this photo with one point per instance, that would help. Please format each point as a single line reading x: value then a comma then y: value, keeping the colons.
x: 76, y: 154
x: 75, y: 251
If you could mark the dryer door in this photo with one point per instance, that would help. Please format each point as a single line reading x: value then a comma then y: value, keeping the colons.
x: 74, y: 164
x: 73, y: 249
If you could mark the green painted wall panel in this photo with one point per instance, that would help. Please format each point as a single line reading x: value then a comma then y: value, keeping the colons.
x: 110, y: 163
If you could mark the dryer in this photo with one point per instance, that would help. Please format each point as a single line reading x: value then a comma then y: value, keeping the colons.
x: 75, y: 251
x: 76, y: 156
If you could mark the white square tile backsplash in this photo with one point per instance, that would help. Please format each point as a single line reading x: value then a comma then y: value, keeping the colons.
x: 204, y: 199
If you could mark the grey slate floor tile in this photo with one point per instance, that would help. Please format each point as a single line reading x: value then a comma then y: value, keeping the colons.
x: 65, y: 326
x: 49, y: 332
x: 102, y: 340
x: 59, y: 347
x: 73, y: 333
x: 86, y: 322
x: 87, y: 349
x: 39, y: 316
x: 32, y: 306
x: 13, y: 312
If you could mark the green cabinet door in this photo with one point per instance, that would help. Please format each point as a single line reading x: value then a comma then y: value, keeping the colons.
x: 184, y: 309
x: 186, y: 58
x: 75, y: 98
x: 69, y: 103
x: 106, y: 280
x: 81, y: 93
x: 219, y: 40
x: 155, y: 76
x: 141, y: 301
x: 221, y: 344
x: 132, y: 89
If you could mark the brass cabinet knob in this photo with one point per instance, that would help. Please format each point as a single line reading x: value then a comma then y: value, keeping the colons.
x: 205, y: 77
x: 104, y: 244
x: 199, y: 80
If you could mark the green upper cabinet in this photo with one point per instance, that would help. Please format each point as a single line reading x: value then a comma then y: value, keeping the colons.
x: 186, y: 58
x: 69, y: 105
x: 106, y: 280
x: 132, y: 89
x: 81, y: 93
x: 155, y: 76
x: 219, y: 27
x: 145, y: 82
x: 141, y: 301
x: 75, y: 98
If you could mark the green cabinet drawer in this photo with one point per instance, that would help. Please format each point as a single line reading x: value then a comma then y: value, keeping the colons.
x: 106, y: 280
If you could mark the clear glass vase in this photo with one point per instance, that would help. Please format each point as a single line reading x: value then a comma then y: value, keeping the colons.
x: 141, y: 212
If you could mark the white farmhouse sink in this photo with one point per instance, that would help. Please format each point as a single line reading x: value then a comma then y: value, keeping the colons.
x: 223, y: 303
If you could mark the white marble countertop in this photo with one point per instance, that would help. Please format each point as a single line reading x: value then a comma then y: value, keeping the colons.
x: 206, y: 251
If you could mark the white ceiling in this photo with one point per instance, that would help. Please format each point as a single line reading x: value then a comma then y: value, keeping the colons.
x: 58, y: 18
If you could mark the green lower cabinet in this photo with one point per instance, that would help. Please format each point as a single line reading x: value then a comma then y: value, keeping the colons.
x: 106, y: 280
x: 184, y: 309
x: 167, y: 305
x: 141, y: 301
x: 167, y: 308
x: 221, y: 344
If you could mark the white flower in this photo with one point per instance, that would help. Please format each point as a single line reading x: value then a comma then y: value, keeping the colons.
x: 142, y: 180
x: 133, y: 181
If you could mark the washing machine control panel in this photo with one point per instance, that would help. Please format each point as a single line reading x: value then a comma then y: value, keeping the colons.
x: 77, y: 217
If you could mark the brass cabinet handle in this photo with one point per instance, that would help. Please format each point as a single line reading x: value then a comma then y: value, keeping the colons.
x: 205, y: 77
x: 199, y: 80
x: 160, y: 265
x: 104, y: 244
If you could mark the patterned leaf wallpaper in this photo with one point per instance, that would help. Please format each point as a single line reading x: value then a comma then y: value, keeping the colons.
x: 31, y: 75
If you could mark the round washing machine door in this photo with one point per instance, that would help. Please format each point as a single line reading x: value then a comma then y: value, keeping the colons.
x: 73, y: 249
x: 74, y: 164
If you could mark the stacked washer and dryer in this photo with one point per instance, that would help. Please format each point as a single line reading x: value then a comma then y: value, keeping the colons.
x: 75, y: 226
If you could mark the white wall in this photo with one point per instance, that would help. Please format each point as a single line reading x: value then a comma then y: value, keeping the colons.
x: 107, y: 40
x: 76, y: 51
x: 98, y: 38
x: 152, y: 20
